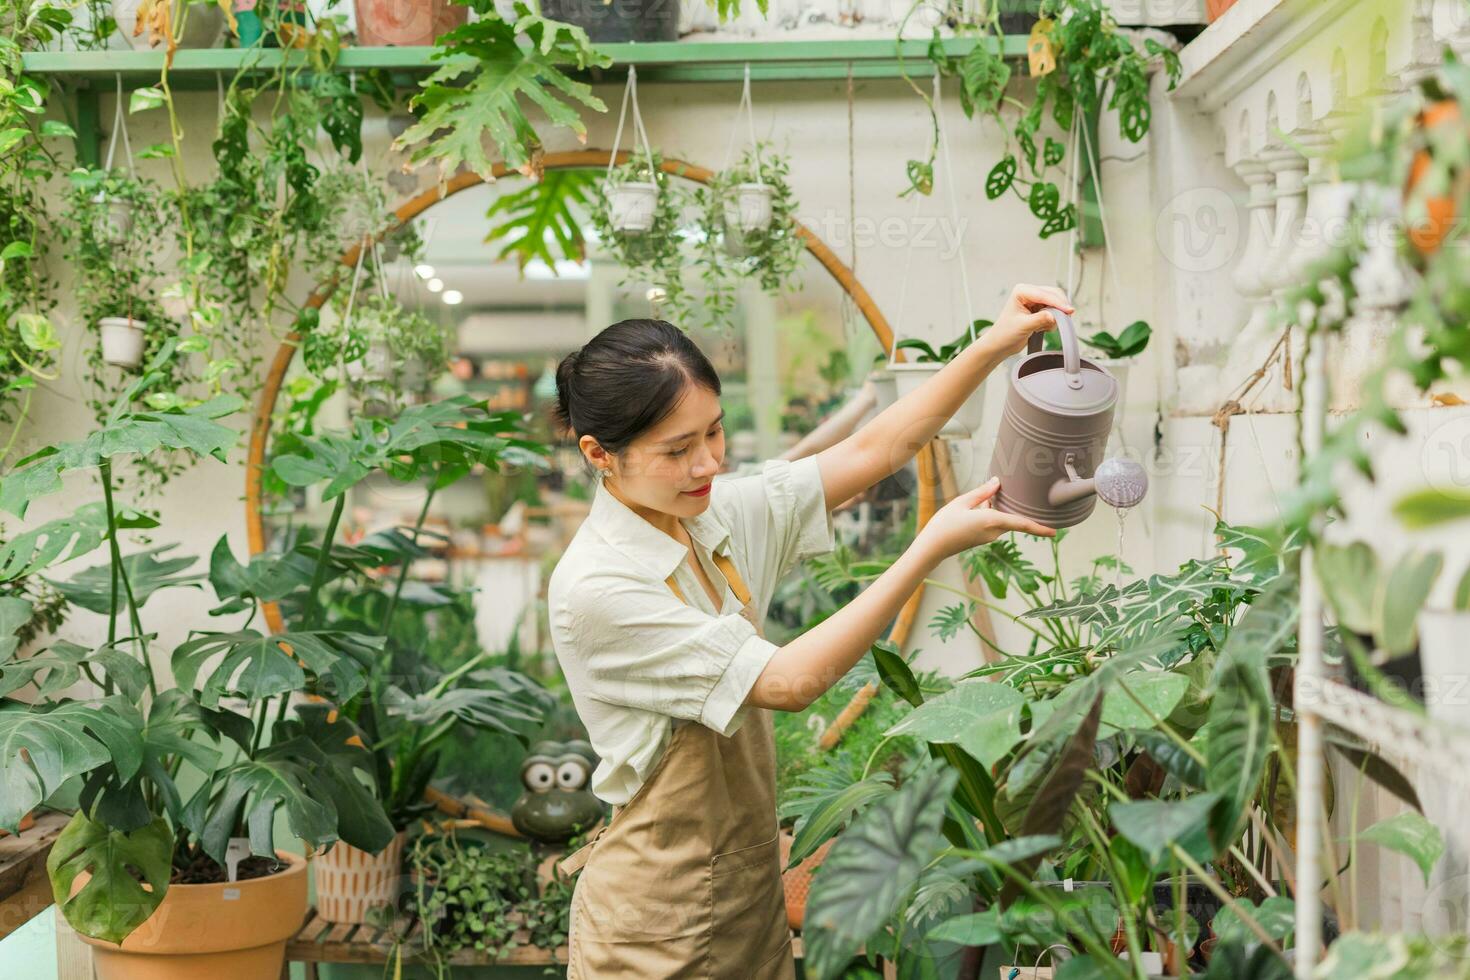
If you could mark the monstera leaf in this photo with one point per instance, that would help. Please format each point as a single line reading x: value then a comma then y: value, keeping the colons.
x: 477, y: 100
x: 266, y: 577
x: 114, y: 900
x: 147, y: 572
x: 872, y: 867
x: 40, y: 748
x: 256, y: 666
x: 285, y: 776
x: 192, y: 429
x: 485, y: 708
x: 349, y: 772
x: 63, y: 539
x: 55, y: 669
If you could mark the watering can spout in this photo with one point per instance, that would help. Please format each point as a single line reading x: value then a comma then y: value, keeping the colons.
x: 1119, y: 483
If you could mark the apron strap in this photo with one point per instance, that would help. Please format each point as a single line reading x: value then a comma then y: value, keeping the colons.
x: 576, y: 860
x: 727, y: 568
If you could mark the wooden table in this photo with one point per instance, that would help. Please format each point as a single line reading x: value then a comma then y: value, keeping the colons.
x: 25, y: 891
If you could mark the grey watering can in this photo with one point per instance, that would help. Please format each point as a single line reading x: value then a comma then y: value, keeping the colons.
x: 1048, y: 454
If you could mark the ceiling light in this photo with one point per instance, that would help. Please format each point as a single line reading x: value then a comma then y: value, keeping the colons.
x: 453, y: 297
x: 423, y: 270
x: 435, y: 285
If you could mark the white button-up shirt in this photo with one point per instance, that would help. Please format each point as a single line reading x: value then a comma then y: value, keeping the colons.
x: 635, y: 657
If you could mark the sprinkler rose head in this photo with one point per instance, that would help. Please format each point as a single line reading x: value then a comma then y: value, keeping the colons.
x: 1121, y: 483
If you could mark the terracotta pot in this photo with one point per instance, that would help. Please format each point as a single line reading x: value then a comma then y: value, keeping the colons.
x: 228, y: 931
x: 797, y: 883
x: 350, y: 881
x: 1428, y: 235
x: 1214, y: 9
x: 406, y: 23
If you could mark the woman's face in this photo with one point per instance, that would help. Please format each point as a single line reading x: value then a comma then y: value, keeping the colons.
x: 669, y: 467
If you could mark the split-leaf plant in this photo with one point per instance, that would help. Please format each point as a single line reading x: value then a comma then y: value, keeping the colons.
x: 108, y: 717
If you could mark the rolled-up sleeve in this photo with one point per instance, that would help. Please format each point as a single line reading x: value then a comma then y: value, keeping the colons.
x: 643, y: 648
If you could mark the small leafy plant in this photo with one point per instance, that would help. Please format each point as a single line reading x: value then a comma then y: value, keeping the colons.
x: 655, y: 256
x: 947, y: 352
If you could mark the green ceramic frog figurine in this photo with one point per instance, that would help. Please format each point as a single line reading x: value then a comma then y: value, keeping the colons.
x: 557, y: 803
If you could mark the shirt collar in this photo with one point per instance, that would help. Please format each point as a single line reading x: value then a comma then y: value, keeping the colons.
x: 633, y: 536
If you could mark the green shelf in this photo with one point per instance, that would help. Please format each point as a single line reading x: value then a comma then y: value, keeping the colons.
x: 681, y: 61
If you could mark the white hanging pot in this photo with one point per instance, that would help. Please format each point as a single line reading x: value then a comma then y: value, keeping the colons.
x: 372, y: 367
x: 123, y: 339
x: 631, y: 206
x: 754, y: 207
x: 1444, y: 657
x: 885, y: 387
x: 113, y: 222
x: 965, y: 423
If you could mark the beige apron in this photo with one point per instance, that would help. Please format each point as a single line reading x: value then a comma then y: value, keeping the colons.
x: 685, y: 881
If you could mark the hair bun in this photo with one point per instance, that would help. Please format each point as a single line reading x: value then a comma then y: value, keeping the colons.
x: 564, y: 372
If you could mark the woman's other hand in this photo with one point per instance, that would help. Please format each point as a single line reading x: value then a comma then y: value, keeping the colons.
x: 970, y: 520
x: 1022, y: 316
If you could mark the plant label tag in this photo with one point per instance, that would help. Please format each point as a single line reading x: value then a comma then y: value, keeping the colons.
x: 237, y: 851
x: 230, y: 894
x: 1040, y: 52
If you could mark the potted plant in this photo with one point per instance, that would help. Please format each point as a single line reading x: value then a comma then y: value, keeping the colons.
x: 142, y: 869
x: 908, y: 375
x: 408, y: 710
x: 637, y: 220
x: 187, y: 24
x: 111, y: 228
x: 383, y: 350
x: 391, y: 23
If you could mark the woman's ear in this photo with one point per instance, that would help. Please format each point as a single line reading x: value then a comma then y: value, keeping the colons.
x: 600, y: 458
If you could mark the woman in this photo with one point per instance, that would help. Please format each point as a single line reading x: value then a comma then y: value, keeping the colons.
x: 656, y: 609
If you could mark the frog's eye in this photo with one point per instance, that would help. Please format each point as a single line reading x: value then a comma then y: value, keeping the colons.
x: 539, y: 777
x: 571, y: 775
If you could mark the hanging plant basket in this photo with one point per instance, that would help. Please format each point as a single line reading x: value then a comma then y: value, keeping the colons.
x: 963, y: 424
x: 631, y: 206
x: 113, y: 222
x: 123, y: 341
x: 752, y: 206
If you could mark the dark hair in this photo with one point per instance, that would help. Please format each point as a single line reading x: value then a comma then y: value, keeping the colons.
x: 628, y: 379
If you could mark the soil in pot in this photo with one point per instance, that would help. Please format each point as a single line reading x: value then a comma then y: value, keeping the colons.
x: 618, y: 21
x: 221, y: 930
x: 406, y: 23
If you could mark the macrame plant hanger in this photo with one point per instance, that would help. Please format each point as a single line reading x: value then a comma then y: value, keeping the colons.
x: 746, y: 108
x: 120, y: 127
x: 630, y: 95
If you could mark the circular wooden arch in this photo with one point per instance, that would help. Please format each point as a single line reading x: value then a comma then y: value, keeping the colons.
x: 928, y: 459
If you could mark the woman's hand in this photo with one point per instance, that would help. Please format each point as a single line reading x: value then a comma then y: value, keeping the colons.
x: 969, y: 520
x: 1020, y: 318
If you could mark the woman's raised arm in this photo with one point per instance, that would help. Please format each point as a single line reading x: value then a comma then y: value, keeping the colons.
x: 890, y: 440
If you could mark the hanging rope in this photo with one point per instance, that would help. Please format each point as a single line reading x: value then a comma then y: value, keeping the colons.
x: 747, y: 107
x: 630, y: 94
x: 120, y: 127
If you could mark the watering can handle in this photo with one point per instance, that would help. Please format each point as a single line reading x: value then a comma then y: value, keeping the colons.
x: 1071, y: 355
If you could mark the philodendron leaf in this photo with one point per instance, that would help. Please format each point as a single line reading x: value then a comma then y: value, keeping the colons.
x: 1153, y: 825
x: 895, y: 673
x: 1411, y: 835
x: 1399, y: 598
x: 1275, y: 915
x: 826, y: 805
x: 114, y: 900
x: 872, y: 867
x: 1242, y: 710
x: 975, y: 929
x: 981, y: 717
x: 1141, y: 699
x: 1349, y: 576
